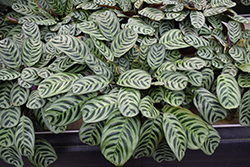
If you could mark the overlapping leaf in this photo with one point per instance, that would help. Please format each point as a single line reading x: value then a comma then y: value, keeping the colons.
x: 173, y: 97
x: 35, y: 101
x: 7, y: 136
x: 238, y: 53
x: 197, y: 18
x: 30, y: 75
x: 11, y: 155
x: 156, y: 55
x: 31, y: 30
x: 163, y: 152
x: 152, y: 13
x: 19, y: 95
x: 10, y: 117
x: 119, y: 138
x: 147, y: 108
x: 5, y: 89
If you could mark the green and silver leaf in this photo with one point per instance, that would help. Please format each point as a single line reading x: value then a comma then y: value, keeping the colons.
x: 148, y: 109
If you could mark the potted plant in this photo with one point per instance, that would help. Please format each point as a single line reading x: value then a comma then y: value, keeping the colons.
x: 123, y: 68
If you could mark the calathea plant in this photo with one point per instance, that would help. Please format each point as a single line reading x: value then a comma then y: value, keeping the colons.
x: 121, y: 67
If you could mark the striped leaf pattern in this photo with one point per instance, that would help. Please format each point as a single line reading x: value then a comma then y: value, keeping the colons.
x: 208, y: 106
x: 152, y: 13
x: 31, y: 51
x: 212, y: 141
x: 173, y: 39
x: 208, y: 78
x: 56, y: 6
x: 103, y: 49
x: 25, y: 136
x: 238, y: 53
x: 206, y: 52
x: 99, y: 108
x: 194, y: 77
x: 156, y: 93
x: 128, y: 101
x: 66, y: 109
x: 174, y: 134
x: 11, y: 155
x: 106, y: 2
x: 147, y: 108
x: 174, y: 98
x: 136, y: 78
x: 32, y: 18
x: 22, y: 9
x: 44, y: 153
x: 7, y: 136
x: 31, y: 30
x: 30, y: 75
x: 140, y: 28
x: 150, y: 136
x: 19, y: 95
x: 80, y: 14
x: 244, y: 108
x: 73, y: 47
x: 35, y: 101
x: 163, y: 152
x: 244, y: 80
x: 88, y: 6
x: 9, y: 53
x: 123, y: 42
x: 228, y: 91
x: 108, y: 24
x: 197, y: 18
x: 46, y: 22
x: 23, y: 83
x: 56, y: 84
x: 125, y: 5
x: 194, y: 63
x: 60, y: 64
x: 231, y: 69
x: 195, y: 41
x: 234, y: 31
x: 156, y: 55
x: 90, y: 133
x: 195, y: 128
x: 173, y: 80
x: 119, y: 138
x: 10, y: 117
x: 5, y: 89
x: 8, y: 74
x: 90, y: 84
x: 214, y: 11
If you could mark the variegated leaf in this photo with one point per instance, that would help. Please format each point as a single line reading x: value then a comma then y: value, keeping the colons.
x: 35, y: 101
x: 152, y: 13
x: 234, y: 31
x: 195, y: 41
x: 156, y: 55
x: 147, y: 108
x: 30, y: 75
x: 173, y: 97
x: 197, y: 18
x: 31, y: 30
x: 19, y: 95
x: 11, y: 155
x: 8, y: 74
x: 244, y: 80
x: 7, y: 136
x: 10, y: 117
x: 163, y: 152
x: 244, y: 109
x: 5, y: 89
x: 238, y: 53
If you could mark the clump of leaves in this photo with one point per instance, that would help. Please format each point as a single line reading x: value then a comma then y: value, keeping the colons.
x: 121, y: 67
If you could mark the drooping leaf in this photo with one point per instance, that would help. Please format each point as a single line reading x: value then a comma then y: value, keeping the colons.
x: 119, y: 138
x: 56, y: 84
x: 123, y: 42
x: 128, y: 101
x: 148, y: 109
x: 9, y: 53
x: 150, y: 136
x: 173, y: 39
x: 208, y: 106
x: 228, y: 91
x: 136, y: 78
x: 11, y: 155
x: 163, y: 152
x: 25, y: 136
x: 90, y: 84
x: 44, y: 153
x: 73, y: 47
x: 10, y: 117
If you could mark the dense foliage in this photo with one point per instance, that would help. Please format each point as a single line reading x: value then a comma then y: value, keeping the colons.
x: 121, y: 66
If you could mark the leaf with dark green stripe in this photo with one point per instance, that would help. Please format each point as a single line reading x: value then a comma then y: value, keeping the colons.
x: 173, y: 39
x: 195, y: 128
x: 35, y: 101
x: 208, y: 78
x: 193, y: 63
x: 30, y: 75
x: 163, y: 152
x: 244, y: 80
x: 125, y: 5
x: 140, y: 28
x: 90, y: 84
x: 234, y: 31
x: 11, y: 155
x: 60, y: 64
x: 19, y: 95
x: 175, y: 135
x: 44, y: 154
x: 5, y: 89
x: 25, y: 136
x: 57, y: 84
x: 23, y: 83
x: 194, y: 77
x: 152, y: 13
x: 208, y: 106
x: 150, y: 136
x: 73, y: 47
x: 66, y: 109
x: 212, y: 141
x: 123, y: 42
x: 156, y: 93
x: 103, y: 49
x: 214, y: 11
x: 22, y: 9
x: 173, y: 80
x: 173, y: 97
x: 244, y: 108
x: 10, y: 117
x: 156, y: 55
x: 147, y: 108
x: 90, y: 133
x: 31, y: 30
x: 197, y: 18
x: 231, y: 69
x: 228, y: 91
x: 46, y: 22
x: 89, y: 5
x: 165, y: 26
x: 9, y: 53
x: 7, y: 136
x: 136, y: 78
x: 80, y: 14
x: 99, y: 108
x: 105, y: 2
x: 238, y: 53
x: 119, y: 138
x: 195, y: 41
x: 56, y: 6
x: 108, y: 24
x: 128, y: 101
